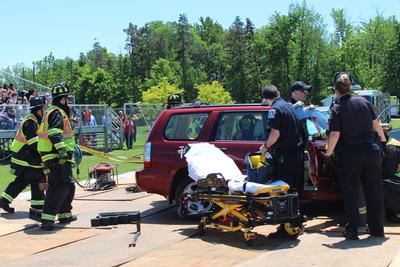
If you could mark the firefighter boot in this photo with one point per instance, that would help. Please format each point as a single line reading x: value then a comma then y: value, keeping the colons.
x: 35, y: 214
x: 68, y: 219
x: 47, y: 225
x: 6, y: 206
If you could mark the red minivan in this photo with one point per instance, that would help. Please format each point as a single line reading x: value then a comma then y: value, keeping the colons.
x: 236, y: 129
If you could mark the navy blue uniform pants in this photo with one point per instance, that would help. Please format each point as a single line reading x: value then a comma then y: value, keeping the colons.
x: 289, y: 167
x: 362, y: 163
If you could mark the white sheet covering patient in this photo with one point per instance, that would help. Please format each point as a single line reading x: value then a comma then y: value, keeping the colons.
x: 205, y: 158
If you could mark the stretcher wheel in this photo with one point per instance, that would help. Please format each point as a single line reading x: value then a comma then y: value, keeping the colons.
x: 293, y: 232
x: 250, y: 242
x: 201, y: 229
x: 293, y: 237
x: 249, y: 237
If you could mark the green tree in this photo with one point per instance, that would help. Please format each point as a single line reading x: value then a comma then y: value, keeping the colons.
x: 184, y: 40
x: 163, y: 69
x: 208, y: 54
x: 391, y: 76
x: 236, y: 60
x: 160, y: 92
x: 213, y: 93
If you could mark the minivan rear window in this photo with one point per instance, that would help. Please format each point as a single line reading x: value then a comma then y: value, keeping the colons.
x: 185, y: 126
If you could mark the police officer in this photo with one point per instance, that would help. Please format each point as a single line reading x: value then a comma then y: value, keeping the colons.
x: 352, y: 130
x: 26, y: 163
x: 174, y: 100
x: 300, y: 91
x: 285, y: 142
x: 56, y: 146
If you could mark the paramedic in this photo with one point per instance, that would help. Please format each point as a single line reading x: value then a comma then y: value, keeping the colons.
x: 285, y: 141
x: 352, y: 131
x: 286, y: 145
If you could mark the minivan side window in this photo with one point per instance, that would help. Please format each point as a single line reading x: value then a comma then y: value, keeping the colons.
x: 241, y: 126
x: 185, y: 126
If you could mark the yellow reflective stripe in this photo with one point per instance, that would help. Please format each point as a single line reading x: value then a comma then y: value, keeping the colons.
x: 48, y: 217
x: 59, y: 145
x: 393, y: 142
x: 37, y: 202
x: 7, y: 196
x: 33, y: 140
x: 362, y: 210
x: 24, y: 163
x: 54, y: 131
x: 49, y: 157
x: 64, y: 215
x: 68, y: 136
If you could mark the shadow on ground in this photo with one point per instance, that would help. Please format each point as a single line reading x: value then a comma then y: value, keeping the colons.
x: 18, y: 215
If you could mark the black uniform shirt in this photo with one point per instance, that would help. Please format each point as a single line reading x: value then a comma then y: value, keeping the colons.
x: 282, y: 117
x: 351, y: 116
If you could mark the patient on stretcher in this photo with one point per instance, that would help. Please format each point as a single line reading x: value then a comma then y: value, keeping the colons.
x: 206, y: 162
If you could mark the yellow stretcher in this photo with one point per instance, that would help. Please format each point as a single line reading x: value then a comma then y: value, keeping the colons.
x: 242, y: 211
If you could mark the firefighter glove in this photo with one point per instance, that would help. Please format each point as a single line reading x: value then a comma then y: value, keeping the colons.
x: 63, y: 155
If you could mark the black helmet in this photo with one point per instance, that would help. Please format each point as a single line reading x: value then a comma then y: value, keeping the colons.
x: 36, y: 102
x: 174, y: 99
x: 60, y: 90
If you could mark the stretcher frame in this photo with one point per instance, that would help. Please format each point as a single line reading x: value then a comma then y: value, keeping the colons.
x: 244, y: 211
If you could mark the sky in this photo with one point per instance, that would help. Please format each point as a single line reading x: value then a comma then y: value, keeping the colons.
x: 30, y: 30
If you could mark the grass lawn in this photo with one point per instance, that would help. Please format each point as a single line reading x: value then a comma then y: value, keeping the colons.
x: 91, y: 161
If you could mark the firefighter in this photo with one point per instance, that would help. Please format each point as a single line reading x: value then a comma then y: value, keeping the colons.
x: 286, y: 144
x: 352, y: 128
x: 174, y: 100
x: 26, y: 163
x: 56, y: 146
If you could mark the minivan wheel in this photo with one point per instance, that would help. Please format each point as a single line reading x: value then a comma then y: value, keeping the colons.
x: 187, y: 207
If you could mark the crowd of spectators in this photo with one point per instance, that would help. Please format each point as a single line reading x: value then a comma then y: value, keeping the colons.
x: 14, y: 104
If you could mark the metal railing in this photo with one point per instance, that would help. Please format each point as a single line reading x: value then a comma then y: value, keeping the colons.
x: 146, y: 113
x: 100, y: 129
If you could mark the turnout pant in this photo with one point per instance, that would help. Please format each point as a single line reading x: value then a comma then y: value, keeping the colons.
x: 60, y: 193
x: 362, y: 163
x: 26, y: 176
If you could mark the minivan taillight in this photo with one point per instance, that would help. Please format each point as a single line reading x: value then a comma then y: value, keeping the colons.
x: 147, y: 155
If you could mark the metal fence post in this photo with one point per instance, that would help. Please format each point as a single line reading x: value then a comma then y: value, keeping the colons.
x: 106, y: 139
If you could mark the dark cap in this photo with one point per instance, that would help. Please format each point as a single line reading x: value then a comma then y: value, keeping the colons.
x: 300, y: 86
